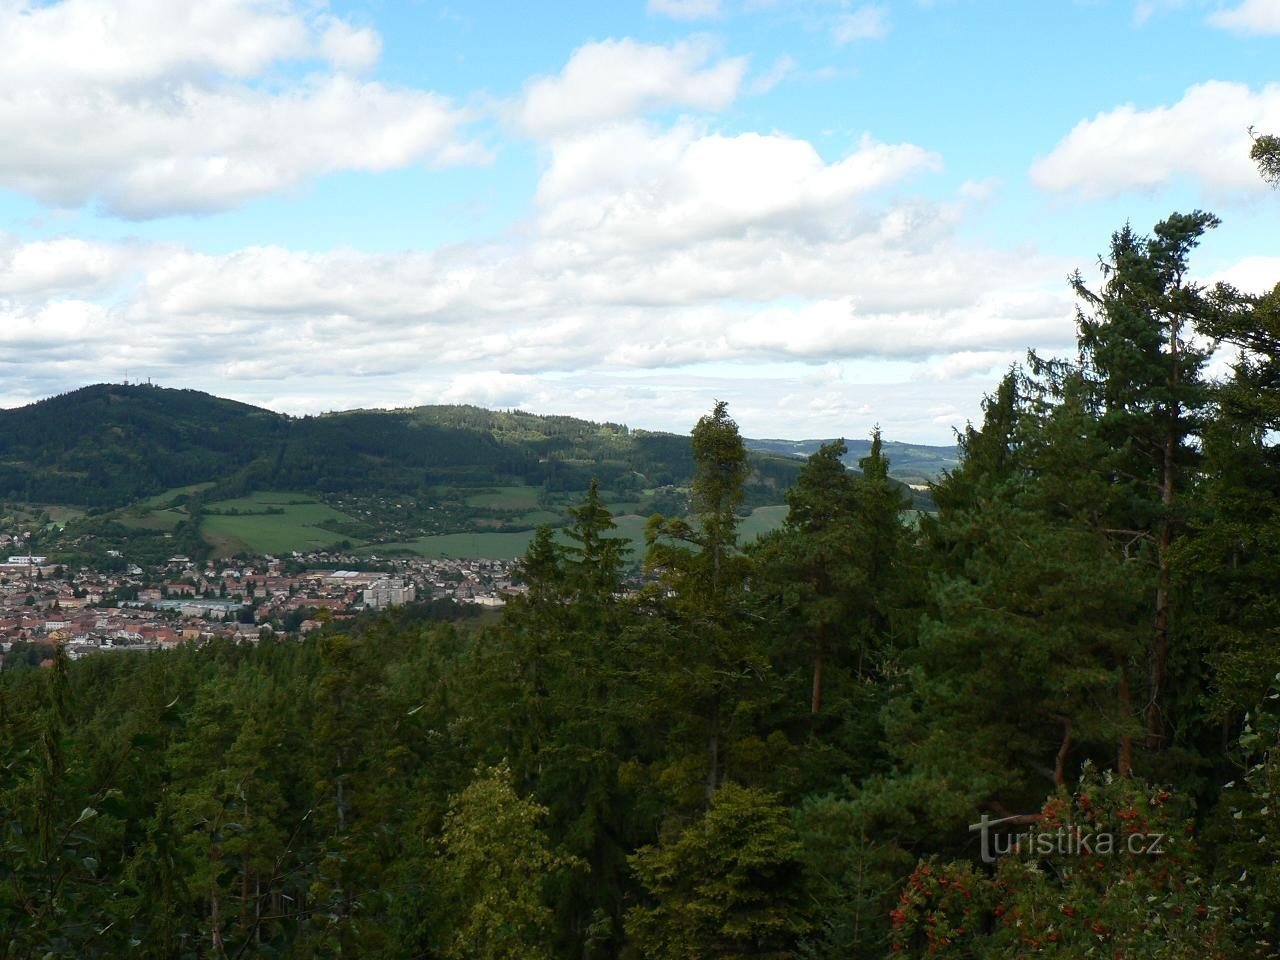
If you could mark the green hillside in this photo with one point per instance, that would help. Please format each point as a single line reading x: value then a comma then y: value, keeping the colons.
x: 164, y: 471
x: 110, y: 445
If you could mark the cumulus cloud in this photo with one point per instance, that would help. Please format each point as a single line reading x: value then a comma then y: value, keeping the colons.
x: 65, y: 265
x: 350, y: 47
x: 619, y: 79
x: 1250, y: 17
x: 154, y: 107
x: 635, y: 185
x: 1203, y: 137
x: 649, y: 250
x: 1255, y: 275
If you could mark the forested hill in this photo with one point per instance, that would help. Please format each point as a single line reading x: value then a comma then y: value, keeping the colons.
x: 109, y: 445
x: 916, y: 463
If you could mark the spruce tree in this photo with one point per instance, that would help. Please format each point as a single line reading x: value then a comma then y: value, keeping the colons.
x: 710, y: 666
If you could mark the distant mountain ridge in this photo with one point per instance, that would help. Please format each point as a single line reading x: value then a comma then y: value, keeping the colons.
x: 108, y: 445
x: 915, y: 463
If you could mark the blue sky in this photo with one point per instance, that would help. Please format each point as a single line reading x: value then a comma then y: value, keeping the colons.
x: 830, y: 213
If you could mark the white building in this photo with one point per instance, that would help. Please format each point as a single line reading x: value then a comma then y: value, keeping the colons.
x: 390, y: 592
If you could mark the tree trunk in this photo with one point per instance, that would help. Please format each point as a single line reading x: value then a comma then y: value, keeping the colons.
x: 1124, y: 757
x: 1159, y: 666
x: 215, y: 902
x: 713, y: 759
x: 1060, y: 765
x: 1160, y: 646
x: 339, y: 803
x: 815, y: 700
x: 244, y: 885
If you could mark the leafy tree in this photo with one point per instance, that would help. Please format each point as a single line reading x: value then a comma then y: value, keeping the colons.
x: 1230, y: 560
x: 829, y: 585
x: 1105, y: 870
x: 850, y: 878
x: 553, y: 696
x: 1265, y: 152
x: 496, y: 863
x: 728, y: 886
x: 815, y: 561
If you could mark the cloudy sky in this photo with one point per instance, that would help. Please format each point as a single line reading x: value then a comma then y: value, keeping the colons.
x: 829, y: 213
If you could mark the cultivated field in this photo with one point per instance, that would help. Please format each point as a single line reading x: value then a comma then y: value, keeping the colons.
x: 497, y: 546
x: 296, y: 527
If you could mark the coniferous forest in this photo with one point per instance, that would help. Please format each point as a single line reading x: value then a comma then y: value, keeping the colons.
x: 772, y: 749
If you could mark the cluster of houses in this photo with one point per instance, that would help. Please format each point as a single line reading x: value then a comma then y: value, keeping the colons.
x: 181, y: 601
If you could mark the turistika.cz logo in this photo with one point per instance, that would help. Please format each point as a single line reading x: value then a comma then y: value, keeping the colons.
x: 1065, y: 840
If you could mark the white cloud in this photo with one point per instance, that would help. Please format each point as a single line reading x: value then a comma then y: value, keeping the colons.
x: 632, y: 185
x: 685, y: 9
x: 870, y: 22
x: 781, y: 69
x: 648, y: 251
x: 1255, y: 275
x: 64, y: 265
x: 122, y: 43
x: 1203, y: 137
x: 154, y: 107
x: 493, y: 388
x: 627, y: 272
x: 350, y: 47
x: 963, y: 363
x: 1249, y: 17
x: 618, y: 79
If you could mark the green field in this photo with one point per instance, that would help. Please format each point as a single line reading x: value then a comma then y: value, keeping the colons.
x: 160, y: 499
x: 60, y: 514
x: 294, y: 529
x: 500, y: 546
x: 26, y: 513
x: 479, y: 546
x: 153, y: 519
x: 536, y: 518
x: 762, y: 520
x: 506, y: 498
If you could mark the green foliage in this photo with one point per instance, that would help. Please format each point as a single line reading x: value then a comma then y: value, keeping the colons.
x: 851, y: 878
x: 1265, y: 152
x: 1108, y: 869
x: 741, y: 756
x: 707, y: 663
x: 109, y: 445
x: 495, y: 865
x: 728, y: 886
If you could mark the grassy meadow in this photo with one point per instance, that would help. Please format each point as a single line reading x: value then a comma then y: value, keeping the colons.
x: 296, y: 527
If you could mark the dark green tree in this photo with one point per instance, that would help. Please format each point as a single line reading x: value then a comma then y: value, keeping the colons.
x: 496, y: 863
x: 726, y: 887
x: 1265, y: 152
x: 711, y: 667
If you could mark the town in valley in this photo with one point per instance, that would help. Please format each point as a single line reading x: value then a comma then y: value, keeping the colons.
x: 154, y: 607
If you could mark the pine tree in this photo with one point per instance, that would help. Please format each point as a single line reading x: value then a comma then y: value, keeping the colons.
x: 711, y: 667
x: 725, y: 888
x: 496, y: 862
x: 816, y: 555
x: 1141, y: 357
